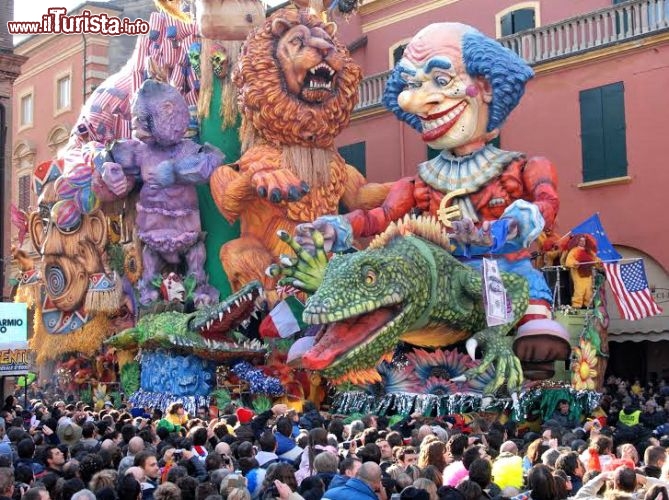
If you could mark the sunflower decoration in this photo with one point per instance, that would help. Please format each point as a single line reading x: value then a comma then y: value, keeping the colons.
x: 132, y: 264
x: 478, y: 383
x: 439, y: 387
x: 584, y: 364
x: 440, y: 364
x: 114, y: 229
x: 394, y: 379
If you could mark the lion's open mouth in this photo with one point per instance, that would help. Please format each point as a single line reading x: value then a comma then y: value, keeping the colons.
x: 319, y: 78
x: 342, y: 339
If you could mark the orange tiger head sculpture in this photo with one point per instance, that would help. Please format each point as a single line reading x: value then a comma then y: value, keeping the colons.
x: 298, y: 85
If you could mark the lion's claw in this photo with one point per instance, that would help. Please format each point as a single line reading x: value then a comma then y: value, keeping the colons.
x: 279, y: 185
x: 275, y: 195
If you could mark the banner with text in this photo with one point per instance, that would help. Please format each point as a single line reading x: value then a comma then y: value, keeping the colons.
x: 15, y: 357
x: 13, y: 322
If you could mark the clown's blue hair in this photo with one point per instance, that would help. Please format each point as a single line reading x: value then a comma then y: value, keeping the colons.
x: 483, y: 56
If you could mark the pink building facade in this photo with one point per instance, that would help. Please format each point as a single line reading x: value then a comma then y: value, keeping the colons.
x: 596, y: 107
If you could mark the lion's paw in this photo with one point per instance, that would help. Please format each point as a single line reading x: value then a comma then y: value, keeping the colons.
x: 279, y: 185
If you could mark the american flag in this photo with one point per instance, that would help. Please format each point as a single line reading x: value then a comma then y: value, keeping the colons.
x: 630, y: 289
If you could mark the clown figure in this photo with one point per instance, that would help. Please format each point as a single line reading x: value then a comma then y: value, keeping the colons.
x: 456, y: 87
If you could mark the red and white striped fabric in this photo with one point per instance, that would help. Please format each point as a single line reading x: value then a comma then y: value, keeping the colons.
x: 630, y: 289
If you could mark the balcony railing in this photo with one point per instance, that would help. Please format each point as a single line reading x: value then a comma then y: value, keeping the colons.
x: 607, y: 26
x: 619, y: 23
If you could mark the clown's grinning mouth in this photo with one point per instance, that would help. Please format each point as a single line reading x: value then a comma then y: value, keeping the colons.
x: 441, y: 119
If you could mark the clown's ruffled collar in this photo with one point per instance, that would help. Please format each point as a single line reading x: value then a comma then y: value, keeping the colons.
x: 447, y: 172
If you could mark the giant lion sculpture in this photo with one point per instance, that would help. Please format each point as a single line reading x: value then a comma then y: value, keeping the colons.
x: 298, y: 87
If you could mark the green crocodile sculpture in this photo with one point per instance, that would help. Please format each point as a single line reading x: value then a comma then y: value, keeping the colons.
x: 406, y: 286
x: 209, y: 333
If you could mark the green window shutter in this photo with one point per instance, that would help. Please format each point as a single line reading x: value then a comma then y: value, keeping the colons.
x: 592, y: 135
x: 603, y: 137
x: 523, y: 19
x: 615, y: 137
x: 354, y: 154
x: 517, y: 20
x: 507, y: 24
x: 398, y: 52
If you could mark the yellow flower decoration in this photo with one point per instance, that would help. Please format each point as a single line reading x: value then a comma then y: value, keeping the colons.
x: 584, y: 366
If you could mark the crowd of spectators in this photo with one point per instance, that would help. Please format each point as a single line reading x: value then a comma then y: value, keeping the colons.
x: 66, y: 450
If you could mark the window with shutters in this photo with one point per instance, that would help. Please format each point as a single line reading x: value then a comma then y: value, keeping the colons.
x: 517, y: 20
x: 396, y: 51
x: 354, y: 155
x: 24, y: 193
x: 63, y: 93
x: 603, y: 136
x: 26, y: 110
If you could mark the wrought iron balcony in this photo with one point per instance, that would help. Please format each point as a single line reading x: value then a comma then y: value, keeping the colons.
x: 609, y: 26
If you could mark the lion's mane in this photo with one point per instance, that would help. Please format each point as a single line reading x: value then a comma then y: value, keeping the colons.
x: 277, y: 116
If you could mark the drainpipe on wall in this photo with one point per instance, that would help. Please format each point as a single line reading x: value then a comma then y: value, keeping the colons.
x: 4, y: 261
x: 85, y: 65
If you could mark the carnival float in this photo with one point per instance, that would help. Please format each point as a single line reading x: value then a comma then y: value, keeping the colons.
x: 191, y: 247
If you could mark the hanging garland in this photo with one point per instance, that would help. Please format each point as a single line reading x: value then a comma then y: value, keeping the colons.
x: 431, y: 404
x: 160, y: 400
x: 259, y: 383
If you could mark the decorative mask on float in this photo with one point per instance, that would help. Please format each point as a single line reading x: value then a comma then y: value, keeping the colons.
x: 73, y: 275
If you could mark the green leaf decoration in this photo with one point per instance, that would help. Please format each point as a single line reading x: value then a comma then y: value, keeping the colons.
x: 116, y: 257
x: 352, y: 417
x: 86, y: 395
x: 221, y: 397
x: 129, y: 378
x: 261, y: 404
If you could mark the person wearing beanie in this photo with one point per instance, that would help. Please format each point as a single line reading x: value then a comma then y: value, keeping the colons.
x: 244, y: 430
x: 244, y: 415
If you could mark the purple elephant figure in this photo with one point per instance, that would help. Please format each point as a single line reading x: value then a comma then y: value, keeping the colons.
x: 169, y: 167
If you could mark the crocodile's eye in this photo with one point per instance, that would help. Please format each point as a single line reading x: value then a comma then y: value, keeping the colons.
x: 370, y: 277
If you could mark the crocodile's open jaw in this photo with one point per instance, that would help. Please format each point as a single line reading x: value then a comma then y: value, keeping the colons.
x: 340, y: 341
x: 216, y: 322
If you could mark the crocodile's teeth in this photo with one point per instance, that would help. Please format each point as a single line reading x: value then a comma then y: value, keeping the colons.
x: 249, y: 296
x: 254, y: 314
x: 228, y: 310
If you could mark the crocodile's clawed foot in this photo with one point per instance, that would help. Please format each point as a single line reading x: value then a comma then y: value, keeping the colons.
x: 499, y: 354
x: 305, y: 271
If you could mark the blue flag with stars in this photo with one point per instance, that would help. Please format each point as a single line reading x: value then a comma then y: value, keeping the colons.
x: 593, y: 226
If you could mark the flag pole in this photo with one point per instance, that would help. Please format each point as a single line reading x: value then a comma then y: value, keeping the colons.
x: 592, y: 262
